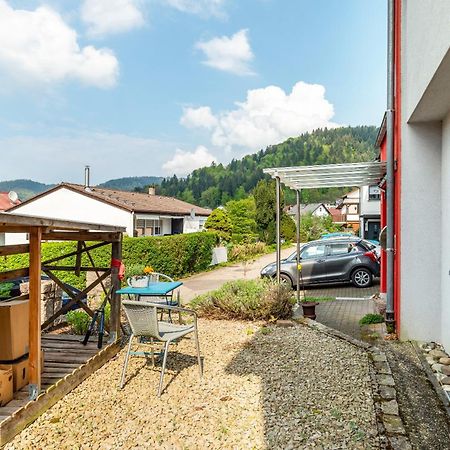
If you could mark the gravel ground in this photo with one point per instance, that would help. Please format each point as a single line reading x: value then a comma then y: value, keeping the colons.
x: 423, y: 415
x: 283, y: 388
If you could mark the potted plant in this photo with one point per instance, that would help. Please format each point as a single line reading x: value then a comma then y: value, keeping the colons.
x: 139, y: 276
x: 308, y: 307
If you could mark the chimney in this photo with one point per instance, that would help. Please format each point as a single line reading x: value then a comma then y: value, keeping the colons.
x: 151, y: 190
x: 87, y: 174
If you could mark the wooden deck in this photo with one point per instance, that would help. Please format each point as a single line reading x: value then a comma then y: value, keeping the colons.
x: 67, y: 362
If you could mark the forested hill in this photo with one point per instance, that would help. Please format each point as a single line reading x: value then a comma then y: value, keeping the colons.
x: 215, y: 185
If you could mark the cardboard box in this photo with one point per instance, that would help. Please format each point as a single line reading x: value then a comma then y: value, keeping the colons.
x: 6, y: 386
x: 20, y: 371
x: 14, y: 318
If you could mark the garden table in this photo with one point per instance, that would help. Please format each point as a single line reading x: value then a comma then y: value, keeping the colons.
x: 157, y: 289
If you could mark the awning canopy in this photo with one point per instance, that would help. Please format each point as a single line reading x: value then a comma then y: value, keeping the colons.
x: 330, y: 175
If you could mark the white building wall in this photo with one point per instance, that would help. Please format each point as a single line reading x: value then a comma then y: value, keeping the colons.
x: 445, y: 243
x: 425, y: 186
x: 68, y: 205
x: 320, y: 212
x: 166, y: 227
x: 420, y: 233
x: 192, y: 225
x: 366, y: 206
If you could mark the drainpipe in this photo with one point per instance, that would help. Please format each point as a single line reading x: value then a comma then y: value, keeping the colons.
x: 390, y: 167
x: 298, y: 194
x: 278, y: 234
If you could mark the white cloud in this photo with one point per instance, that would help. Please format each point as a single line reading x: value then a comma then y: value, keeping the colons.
x: 39, y: 46
x: 268, y: 116
x: 52, y: 159
x: 203, y: 8
x: 230, y: 54
x: 198, y: 118
x: 111, y: 16
x: 184, y: 162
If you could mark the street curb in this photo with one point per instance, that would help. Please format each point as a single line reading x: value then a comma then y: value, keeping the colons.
x: 390, y: 425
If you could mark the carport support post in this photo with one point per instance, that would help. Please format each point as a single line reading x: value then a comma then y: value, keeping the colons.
x: 278, y: 233
x: 34, y: 361
x: 298, y: 193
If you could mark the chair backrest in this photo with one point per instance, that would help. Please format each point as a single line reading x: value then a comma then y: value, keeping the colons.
x: 155, y: 277
x: 143, y: 318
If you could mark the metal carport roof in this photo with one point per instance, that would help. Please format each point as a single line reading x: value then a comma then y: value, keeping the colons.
x: 330, y: 175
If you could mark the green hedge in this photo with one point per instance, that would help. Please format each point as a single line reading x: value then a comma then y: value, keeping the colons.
x: 176, y: 256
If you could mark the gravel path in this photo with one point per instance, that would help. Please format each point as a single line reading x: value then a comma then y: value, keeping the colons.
x: 283, y: 388
x: 425, y: 420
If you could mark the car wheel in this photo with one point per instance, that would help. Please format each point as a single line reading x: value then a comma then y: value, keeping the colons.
x: 362, y: 277
x: 286, y: 279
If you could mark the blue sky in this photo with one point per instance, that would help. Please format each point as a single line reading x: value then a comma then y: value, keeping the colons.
x: 153, y: 87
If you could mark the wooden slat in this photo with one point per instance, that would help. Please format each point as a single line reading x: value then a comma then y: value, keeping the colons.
x: 12, y: 220
x: 17, y: 273
x: 65, y: 337
x: 50, y: 370
x: 81, y: 236
x: 7, y: 250
x: 69, y: 345
x: 75, y: 298
x: 73, y: 269
x: 14, y: 229
x: 14, y: 424
x: 68, y: 255
x: 34, y: 360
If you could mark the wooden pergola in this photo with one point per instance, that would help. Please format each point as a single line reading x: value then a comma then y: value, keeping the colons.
x: 88, y: 237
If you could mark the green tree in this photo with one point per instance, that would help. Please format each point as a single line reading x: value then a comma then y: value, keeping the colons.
x: 211, y: 197
x: 242, y: 214
x: 219, y: 222
x: 265, y: 203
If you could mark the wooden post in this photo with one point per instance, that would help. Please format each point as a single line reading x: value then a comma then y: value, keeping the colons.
x: 35, y: 314
x: 116, y: 253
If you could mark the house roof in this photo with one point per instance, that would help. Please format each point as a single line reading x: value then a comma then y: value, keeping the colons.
x: 132, y: 201
x: 5, y: 202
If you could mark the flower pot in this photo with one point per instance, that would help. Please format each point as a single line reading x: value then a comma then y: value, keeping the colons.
x: 138, y: 281
x: 309, y: 310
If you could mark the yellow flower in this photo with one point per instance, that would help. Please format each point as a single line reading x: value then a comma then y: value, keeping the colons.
x: 148, y: 269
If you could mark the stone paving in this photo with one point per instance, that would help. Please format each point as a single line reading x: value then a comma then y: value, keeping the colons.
x: 344, y: 315
x: 344, y: 290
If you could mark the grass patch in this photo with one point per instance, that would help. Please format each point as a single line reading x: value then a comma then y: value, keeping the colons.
x: 319, y: 299
x: 371, y: 319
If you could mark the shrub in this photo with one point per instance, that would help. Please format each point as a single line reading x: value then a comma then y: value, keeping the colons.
x: 176, y: 256
x: 79, y: 321
x: 246, y: 300
x: 219, y: 222
x: 312, y: 227
x: 371, y: 318
x: 243, y: 252
x: 288, y: 229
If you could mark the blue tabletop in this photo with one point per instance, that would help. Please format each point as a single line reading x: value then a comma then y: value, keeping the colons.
x: 159, y: 288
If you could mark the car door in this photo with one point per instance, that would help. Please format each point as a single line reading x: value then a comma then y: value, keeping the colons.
x: 339, y: 258
x: 312, y: 261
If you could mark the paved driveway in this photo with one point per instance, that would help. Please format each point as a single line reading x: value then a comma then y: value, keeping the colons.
x: 214, y: 279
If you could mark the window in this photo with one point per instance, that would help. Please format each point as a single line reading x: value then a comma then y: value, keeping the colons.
x: 374, y: 193
x: 148, y: 227
x: 343, y: 248
x: 313, y: 251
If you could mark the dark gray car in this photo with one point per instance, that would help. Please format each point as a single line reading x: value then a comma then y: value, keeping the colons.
x: 329, y: 261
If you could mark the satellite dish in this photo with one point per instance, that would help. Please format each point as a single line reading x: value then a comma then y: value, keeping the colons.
x: 382, y: 238
x: 13, y: 197
x: 192, y: 213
